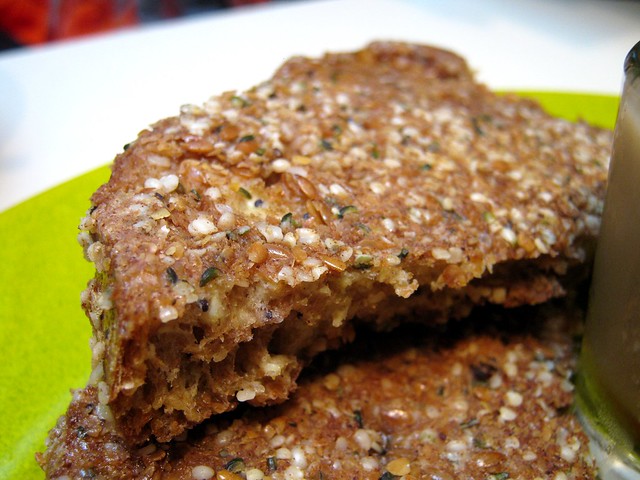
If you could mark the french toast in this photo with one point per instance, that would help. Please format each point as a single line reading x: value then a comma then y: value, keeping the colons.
x: 489, y: 398
x: 241, y: 238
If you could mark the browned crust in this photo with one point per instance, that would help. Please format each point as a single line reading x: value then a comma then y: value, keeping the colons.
x: 381, y: 183
x: 489, y: 396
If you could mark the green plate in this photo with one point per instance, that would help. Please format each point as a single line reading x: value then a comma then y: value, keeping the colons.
x: 44, y: 335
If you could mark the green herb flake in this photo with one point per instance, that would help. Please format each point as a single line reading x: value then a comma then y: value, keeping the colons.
x: 288, y: 220
x: 477, y: 123
x: 272, y: 464
x: 403, y: 253
x: 479, y: 442
x: 365, y: 228
x: 196, y: 194
x: 126, y: 146
x: 326, y: 145
x: 433, y: 147
x: 499, y: 476
x: 260, y: 151
x: 488, y: 217
x: 375, y: 153
x: 345, y: 210
x: 469, y: 423
x: 235, y: 465
x: 357, y: 416
x: 426, y: 167
x: 172, y: 275
x: 238, y: 101
x: 245, y: 193
x: 363, y: 262
x: 247, y: 138
x: 209, y: 274
x: 337, y: 130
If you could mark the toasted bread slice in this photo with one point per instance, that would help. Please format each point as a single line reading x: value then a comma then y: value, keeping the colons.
x: 239, y: 239
x: 488, y: 397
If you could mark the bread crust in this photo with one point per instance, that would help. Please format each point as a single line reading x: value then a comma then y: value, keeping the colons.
x: 236, y: 241
x: 489, y: 397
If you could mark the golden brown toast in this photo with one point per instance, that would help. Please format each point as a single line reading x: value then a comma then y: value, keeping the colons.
x: 487, y: 398
x: 236, y: 241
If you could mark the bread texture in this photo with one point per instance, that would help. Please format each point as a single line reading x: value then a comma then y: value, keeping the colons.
x: 487, y: 398
x: 239, y: 239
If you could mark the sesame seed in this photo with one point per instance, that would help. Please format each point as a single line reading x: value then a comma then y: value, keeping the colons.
x: 152, y: 183
x: 440, y: 254
x: 298, y: 456
x: 514, y: 399
x: 338, y: 190
x: 202, y: 226
x: 254, y: 474
x: 511, y: 369
x: 447, y: 204
x: 478, y: 197
x: 541, y: 246
x: 277, y: 441
x: 511, y: 443
x: 363, y: 439
x: 271, y: 233
x: 377, y: 188
x: 507, y: 414
x: 245, y: 395
x: 227, y: 221
x: 168, y: 313
x: 202, y: 472
x: 456, y: 446
x: 389, y: 224
x: 169, y: 183
x: 567, y: 453
x: 293, y: 472
x: 307, y: 236
x: 280, y: 165
x: 213, y: 193
x: 509, y: 235
x: 341, y: 444
x: 158, y: 160
x: 283, y: 453
x: 369, y: 463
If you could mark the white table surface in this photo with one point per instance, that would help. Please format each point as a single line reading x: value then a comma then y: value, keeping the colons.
x: 69, y: 107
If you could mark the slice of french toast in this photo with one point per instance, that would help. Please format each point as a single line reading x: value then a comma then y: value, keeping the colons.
x: 236, y: 241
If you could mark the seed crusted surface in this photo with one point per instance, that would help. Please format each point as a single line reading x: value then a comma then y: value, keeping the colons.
x: 488, y: 398
x: 237, y: 240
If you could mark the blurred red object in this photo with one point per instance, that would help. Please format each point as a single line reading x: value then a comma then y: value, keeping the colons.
x: 37, y: 21
x: 26, y: 21
x: 81, y: 17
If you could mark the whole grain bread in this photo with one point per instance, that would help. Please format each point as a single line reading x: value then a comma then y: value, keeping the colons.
x: 487, y: 398
x: 239, y: 239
